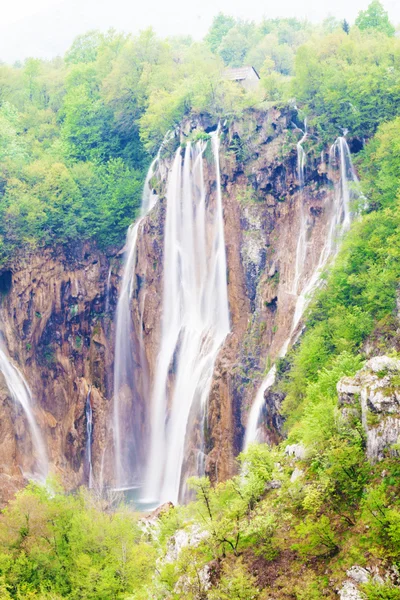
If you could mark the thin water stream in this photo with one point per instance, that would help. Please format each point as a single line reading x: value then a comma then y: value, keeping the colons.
x: 22, y: 395
x: 338, y: 222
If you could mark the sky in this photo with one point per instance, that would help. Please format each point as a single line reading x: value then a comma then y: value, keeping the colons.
x: 46, y: 28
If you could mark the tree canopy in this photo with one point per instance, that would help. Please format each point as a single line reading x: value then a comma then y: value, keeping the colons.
x: 375, y: 17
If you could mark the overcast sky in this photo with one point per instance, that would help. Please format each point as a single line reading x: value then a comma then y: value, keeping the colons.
x: 46, y: 28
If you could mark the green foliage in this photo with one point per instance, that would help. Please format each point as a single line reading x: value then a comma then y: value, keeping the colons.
x: 235, y: 583
x: 84, y: 48
x: 348, y: 81
x: 220, y: 26
x: 375, y: 17
x: 317, y: 538
x: 76, y: 136
x: 68, y: 546
x: 381, y: 166
x: 377, y: 591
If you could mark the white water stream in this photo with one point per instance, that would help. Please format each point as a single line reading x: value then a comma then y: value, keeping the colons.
x: 124, y: 352
x: 339, y: 218
x: 301, y: 250
x: 89, y: 437
x: 22, y: 395
x: 195, y: 320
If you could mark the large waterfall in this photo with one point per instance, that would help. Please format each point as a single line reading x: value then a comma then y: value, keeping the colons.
x: 21, y: 394
x: 195, y: 320
x: 338, y: 211
x: 126, y: 448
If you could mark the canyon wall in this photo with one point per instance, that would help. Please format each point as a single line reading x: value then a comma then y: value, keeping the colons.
x: 58, y: 332
x: 58, y: 306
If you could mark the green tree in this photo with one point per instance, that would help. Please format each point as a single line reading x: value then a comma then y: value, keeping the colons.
x: 220, y: 26
x: 84, y: 48
x: 375, y: 17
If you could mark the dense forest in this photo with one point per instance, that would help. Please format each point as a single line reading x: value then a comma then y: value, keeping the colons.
x: 78, y: 132
x: 77, y: 135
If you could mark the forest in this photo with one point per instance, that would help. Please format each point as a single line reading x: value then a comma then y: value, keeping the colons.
x: 77, y: 135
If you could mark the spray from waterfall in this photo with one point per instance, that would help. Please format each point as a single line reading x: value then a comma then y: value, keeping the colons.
x: 22, y: 395
x: 346, y: 189
x: 126, y: 450
x: 195, y: 320
x: 89, y: 437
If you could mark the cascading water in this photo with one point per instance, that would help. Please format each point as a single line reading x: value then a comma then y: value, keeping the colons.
x: 89, y: 437
x: 301, y: 249
x: 126, y: 450
x: 339, y: 218
x: 22, y: 395
x: 108, y: 289
x: 195, y: 320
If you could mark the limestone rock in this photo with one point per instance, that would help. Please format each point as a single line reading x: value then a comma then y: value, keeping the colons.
x: 358, y: 574
x: 54, y: 326
x: 349, y: 592
x: 375, y: 392
x: 298, y: 451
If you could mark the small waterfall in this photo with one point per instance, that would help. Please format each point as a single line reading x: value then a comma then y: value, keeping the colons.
x: 301, y: 249
x: 126, y: 450
x: 22, y: 395
x: 108, y: 289
x: 195, y: 320
x: 89, y: 437
x: 339, y: 219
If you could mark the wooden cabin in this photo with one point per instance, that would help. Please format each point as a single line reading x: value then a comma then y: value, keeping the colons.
x: 246, y: 76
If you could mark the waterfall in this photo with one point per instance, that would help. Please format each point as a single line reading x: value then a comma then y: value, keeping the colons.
x: 108, y: 289
x: 339, y: 218
x: 22, y: 395
x: 195, y: 320
x: 301, y: 249
x: 126, y: 450
x: 89, y: 437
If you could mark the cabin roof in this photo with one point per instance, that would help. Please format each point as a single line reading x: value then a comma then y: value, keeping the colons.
x: 240, y: 73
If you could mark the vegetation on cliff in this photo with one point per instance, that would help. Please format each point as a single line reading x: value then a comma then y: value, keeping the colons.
x: 76, y: 137
x: 77, y: 132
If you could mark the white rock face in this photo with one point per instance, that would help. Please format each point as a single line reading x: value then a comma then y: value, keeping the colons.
x: 349, y: 592
x: 298, y: 451
x: 358, y: 574
x: 296, y: 474
x: 375, y: 390
x: 181, y: 539
x: 184, y: 585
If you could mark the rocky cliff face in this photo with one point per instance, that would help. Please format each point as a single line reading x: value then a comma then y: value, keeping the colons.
x: 373, y: 394
x: 56, y: 324
x: 263, y: 205
x: 58, y: 307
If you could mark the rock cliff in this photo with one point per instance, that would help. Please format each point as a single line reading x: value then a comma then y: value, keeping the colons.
x: 263, y: 204
x: 58, y: 308
x: 373, y: 393
x: 56, y: 324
